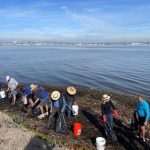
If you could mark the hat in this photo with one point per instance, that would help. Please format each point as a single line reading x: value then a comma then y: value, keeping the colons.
x: 106, y: 97
x: 7, y: 78
x: 71, y: 90
x: 33, y: 87
x: 55, y: 95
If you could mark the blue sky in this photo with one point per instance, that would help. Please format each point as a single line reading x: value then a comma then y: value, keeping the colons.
x: 75, y: 20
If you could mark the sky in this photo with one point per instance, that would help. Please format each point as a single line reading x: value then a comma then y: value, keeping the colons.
x: 75, y: 20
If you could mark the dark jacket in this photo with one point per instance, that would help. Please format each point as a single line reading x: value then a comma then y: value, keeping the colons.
x: 107, y: 107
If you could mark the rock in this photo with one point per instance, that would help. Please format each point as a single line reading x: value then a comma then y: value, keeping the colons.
x: 14, y: 137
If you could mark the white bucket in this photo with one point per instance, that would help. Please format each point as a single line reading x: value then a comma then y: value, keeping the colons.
x: 100, y: 143
x: 2, y: 94
x: 24, y: 99
x: 75, y: 109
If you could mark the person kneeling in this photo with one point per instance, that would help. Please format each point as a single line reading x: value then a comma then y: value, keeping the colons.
x: 43, y: 98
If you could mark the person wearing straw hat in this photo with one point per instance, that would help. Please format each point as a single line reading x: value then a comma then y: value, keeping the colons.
x: 107, y: 109
x: 68, y: 98
x: 39, y: 97
x: 54, y: 106
x: 12, y: 85
x: 34, y: 94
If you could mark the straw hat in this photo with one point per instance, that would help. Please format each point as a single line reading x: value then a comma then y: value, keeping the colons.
x: 106, y: 97
x: 55, y: 95
x: 71, y: 90
x: 33, y: 86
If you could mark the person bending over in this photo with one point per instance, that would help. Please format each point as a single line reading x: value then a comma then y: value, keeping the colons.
x: 12, y: 85
x: 68, y: 98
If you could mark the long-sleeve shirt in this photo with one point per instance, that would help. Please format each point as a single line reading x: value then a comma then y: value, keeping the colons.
x: 56, y: 104
x: 68, y: 100
x: 12, y: 83
x: 107, y: 107
x: 142, y: 109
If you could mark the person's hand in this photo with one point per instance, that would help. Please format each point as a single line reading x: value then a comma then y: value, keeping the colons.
x: 50, y: 111
x: 33, y: 105
x: 104, y: 118
x: 115, y: 114
x: 145, y: 123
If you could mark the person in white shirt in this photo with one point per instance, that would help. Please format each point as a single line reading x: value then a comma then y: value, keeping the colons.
x: 12, y: 85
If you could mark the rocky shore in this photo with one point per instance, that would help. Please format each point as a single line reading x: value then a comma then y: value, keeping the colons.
x: 89, y: 101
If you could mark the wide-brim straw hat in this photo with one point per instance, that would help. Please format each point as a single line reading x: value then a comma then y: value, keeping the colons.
x: 33, y: 86
x: 55, y: 95
x: 106, y: 97
x: 71, y: 90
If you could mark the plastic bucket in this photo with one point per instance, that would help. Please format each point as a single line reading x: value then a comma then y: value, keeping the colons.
x: 24, y: 99
x: 100, y: 143
x: 77, y: 129
x: 2, y: 94
x: 75, y: 109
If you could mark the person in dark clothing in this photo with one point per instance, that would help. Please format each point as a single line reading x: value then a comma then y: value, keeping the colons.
x: 56, y: 105
x: 68, y: 99
x: 107, y: 109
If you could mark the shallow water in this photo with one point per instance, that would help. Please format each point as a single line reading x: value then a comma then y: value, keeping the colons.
x: 117, y: 68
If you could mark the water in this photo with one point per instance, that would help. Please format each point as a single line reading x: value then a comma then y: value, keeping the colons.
x: 122, y: 69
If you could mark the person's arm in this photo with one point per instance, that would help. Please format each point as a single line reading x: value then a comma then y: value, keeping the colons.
x: 51, y: 106
x: 146, y: 109
x: 112, y: 105
x: 8, y: 88
x: 64, y: 104
x: 35, y: 101
x: 114, y: 109
x: 103, y: 113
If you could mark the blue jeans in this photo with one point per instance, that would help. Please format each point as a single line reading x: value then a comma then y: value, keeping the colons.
x: 109, y: 119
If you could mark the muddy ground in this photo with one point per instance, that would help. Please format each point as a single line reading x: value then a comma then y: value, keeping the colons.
x: 89, y: 115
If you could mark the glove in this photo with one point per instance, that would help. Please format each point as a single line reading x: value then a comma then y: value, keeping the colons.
x: 115, y: 113
x: 104, y: 118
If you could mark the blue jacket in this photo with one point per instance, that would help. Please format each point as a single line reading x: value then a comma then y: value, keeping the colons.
x: 43, y: 95
x: 26, y: 91
x: 142, y: 109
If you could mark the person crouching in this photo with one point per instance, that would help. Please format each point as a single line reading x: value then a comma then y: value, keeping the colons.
x: 39, y: 96
x: 43, y: 98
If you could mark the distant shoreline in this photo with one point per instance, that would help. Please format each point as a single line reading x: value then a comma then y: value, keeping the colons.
x: 78, y: 44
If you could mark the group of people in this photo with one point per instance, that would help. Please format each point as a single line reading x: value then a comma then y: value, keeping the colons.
x: 142, y: 113
x: 49, y: 104
x: 36, y: 96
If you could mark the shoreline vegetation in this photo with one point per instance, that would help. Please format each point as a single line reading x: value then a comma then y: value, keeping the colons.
x: 89, y: 101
